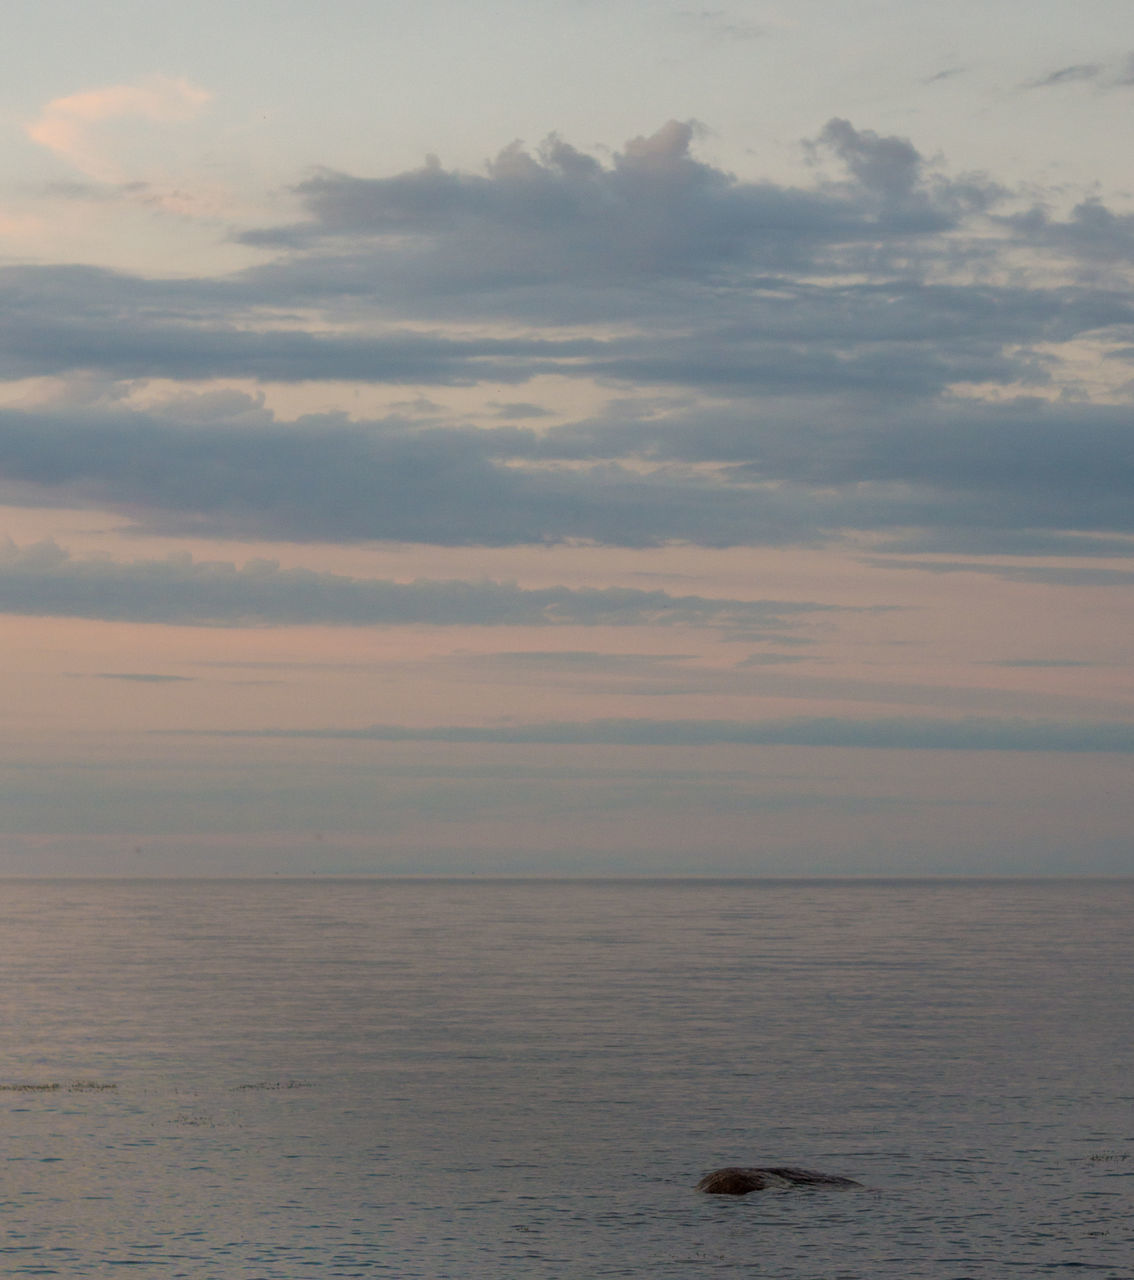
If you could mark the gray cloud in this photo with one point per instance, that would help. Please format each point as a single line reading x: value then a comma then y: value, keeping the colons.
x: 559, y: 217
x: 624, y: 674
x: 654, y: 209
x: 1092, y: 231
x: 980, y: 539
x: 655, y: 675
x: 1042, y: 663
x: 721, y: 25
x: 45, y: 580
x: 692, y: 259
x: 141, y: 349
x: 521, y: 409
x: 771, y: 335
x: 892, y: 172
x: 1076, y: 73
x: 973, y: 734
x: 144, y: 677
x: 1046, y: 575
x: 781, y: 361
x: 1025, y: 476
x: 335, y: 481
x: 947, y: 74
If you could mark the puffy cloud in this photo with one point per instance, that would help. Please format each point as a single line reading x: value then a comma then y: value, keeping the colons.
x: 1091, y: 232
x: 892, y: 170
x: 785, y: 364
x: 559, y: 216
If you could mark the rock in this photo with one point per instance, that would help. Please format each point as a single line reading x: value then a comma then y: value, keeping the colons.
x: 739, y: 1180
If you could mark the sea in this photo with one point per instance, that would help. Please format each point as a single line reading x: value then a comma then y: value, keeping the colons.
x: 478, y: 1079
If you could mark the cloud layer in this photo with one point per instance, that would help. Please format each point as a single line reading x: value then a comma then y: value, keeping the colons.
x: 1028, y: 476
x: 912, y: 733
x: 46, y: 580
x: 893, y: 349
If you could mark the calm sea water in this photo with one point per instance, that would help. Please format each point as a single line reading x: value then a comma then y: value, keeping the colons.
x: 506, y: 1079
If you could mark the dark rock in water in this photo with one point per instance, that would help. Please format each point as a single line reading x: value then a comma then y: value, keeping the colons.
x: 739, y: 1181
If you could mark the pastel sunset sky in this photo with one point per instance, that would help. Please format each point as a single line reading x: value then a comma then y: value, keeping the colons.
x: 567, y: 437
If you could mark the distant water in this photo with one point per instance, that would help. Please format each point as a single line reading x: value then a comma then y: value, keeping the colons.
x: 508, y: 1079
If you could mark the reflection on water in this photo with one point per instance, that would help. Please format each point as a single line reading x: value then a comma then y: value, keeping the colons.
x: 416, y: 1079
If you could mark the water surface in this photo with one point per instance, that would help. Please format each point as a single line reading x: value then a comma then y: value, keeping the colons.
x: 463, y: 1079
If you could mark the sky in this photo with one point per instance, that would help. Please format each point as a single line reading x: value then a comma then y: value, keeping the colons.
x: 563, y: 438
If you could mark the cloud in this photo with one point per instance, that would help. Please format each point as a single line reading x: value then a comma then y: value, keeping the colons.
x: 1100, y: 75
x: 973, y: 734
x: 560, y: 217
x: 778, y: 336
x: 982, y: 540
x: 1045, y: 575
x: 45, y: 580
x: 628, y: 674
x: 668, y: 675
x: 1042, y: 663
x: 74, y: 127
x: 891, y: 349
x: 1024, y: 477
x: 720, y: 25
x: 521, y: 409
x: 179, y: 351
x: 335, y: 481
x: 1076, y: 73
x: 891, y: 169
x: 1092, y: 232
x: 948, y: 73
x: 143, y: 677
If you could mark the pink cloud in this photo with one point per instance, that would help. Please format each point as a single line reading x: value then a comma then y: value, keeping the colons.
x: 74, y: 127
